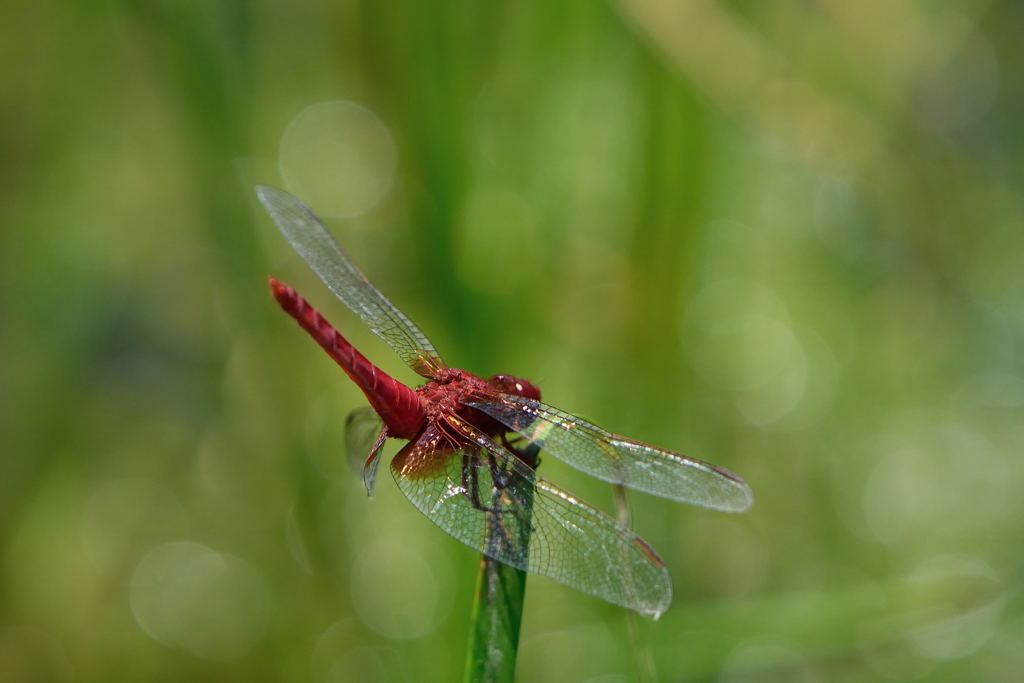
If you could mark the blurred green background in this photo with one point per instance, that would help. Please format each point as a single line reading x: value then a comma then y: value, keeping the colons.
x: 782, y: 237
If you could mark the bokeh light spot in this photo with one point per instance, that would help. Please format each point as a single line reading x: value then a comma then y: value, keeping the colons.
x: 364, y: 664
x: 124, y: 513
x: 957, y: 92
x: 394, y: 590
x: 992, y: 390
x: 963, y: 631
x: 995, y: 274
x: 189, y: 596
x: 339, y: 157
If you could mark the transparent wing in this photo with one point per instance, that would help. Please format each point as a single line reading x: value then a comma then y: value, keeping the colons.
x: 364, y: 437
x: 485, y: 497
x: 617, y: 459
x: 317, y: 247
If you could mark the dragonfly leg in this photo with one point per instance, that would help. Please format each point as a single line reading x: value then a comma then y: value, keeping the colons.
x: 504, y: 499
x: 522, y: 447
x: 502, y: 484
x: 471, y: 483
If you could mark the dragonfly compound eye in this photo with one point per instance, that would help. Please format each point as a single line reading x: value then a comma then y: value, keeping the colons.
x: 514, y: 385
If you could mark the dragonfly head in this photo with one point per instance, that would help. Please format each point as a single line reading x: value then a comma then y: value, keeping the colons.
x: 514, y: 385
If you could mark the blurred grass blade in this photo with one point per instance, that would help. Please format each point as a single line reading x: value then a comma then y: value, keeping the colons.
x: 643, y: 663
x: 498, y: 611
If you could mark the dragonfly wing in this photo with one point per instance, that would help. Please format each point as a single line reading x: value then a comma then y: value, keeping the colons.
x: 308, y: 236
x: 485, y: 497
x: 617, y: 459
x: 364, y: 436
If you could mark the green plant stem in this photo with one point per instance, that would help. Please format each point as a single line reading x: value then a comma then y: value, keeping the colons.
x: 496, y: 617
x: 498, y: 607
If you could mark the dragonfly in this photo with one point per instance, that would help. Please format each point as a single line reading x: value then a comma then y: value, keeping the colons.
x: 469, y: 463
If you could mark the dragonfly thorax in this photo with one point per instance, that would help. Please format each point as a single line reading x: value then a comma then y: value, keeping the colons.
x: 452, y: 389
x: 447, y: 392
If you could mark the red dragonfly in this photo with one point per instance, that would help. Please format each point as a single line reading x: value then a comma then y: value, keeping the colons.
x: 464, y: 466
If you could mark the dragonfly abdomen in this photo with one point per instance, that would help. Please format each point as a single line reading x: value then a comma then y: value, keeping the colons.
x: 398, y: 405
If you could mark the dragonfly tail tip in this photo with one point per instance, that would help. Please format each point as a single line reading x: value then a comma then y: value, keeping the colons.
x: 280, y: 290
